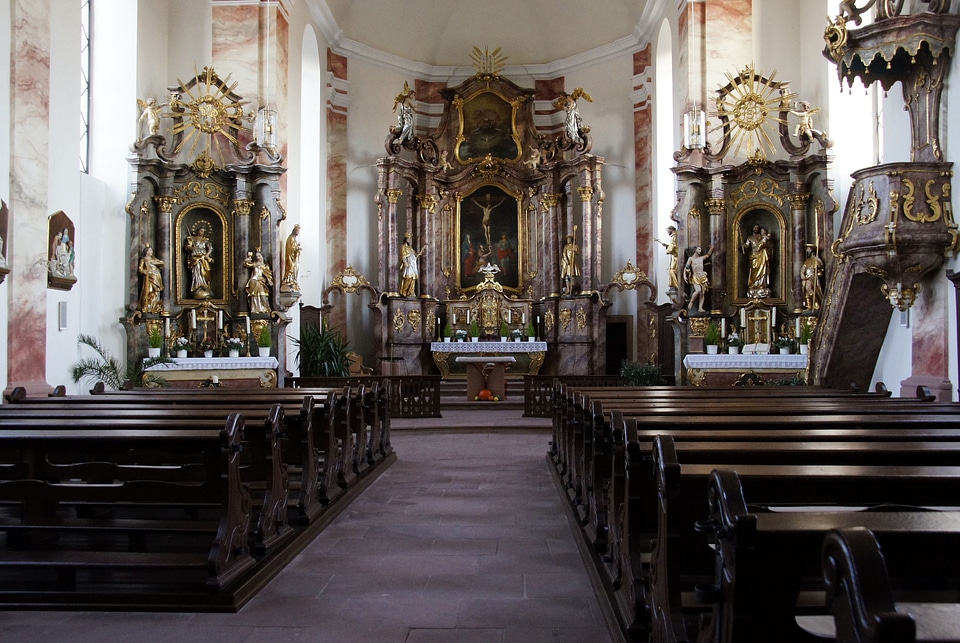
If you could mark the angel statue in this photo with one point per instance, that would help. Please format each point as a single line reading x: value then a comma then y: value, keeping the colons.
x: 572, y: 122
x: 804, y: 129
x: 404, y: 128
x: 149, y: 116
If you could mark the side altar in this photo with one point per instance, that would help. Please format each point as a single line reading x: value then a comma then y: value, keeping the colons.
x: 728, y: 370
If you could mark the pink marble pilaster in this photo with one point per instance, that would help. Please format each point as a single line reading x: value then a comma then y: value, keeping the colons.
x: 336, y: 224
x: 643, y: 167
x: 929, y: 319
x: 29, y: 161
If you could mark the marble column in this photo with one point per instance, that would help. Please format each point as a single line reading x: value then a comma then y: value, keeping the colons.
x: 646, y: 340
x: 336, y: 225
x: 929, y: 320
x: 29, y: 176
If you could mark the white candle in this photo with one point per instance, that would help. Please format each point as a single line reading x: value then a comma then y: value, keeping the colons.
x: 723, y: 327
x: 743, y: 318
x: 246, y: 323
x: 166, y: 327
x: 523, y: 318
x: 468, y: 316
x: 215, y: 379
x: 219, y: 319
x: 796, y: 326
x: 193, y: 318
x: 454, y: 319
x: 509, y: 316
x: 773, y: 317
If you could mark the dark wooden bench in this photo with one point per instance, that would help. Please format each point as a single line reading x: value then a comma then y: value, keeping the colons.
x: 897, y: 593
x: 262, y: 465
x: 767, y: 564
x: 40, y: 498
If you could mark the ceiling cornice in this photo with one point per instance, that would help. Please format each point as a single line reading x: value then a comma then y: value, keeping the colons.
x: 653, y: 13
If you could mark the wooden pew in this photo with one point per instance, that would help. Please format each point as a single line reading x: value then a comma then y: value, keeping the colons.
x: 768, y: 563
x: 42, y: 493
x: 262, y: 464
x: 889, y: 594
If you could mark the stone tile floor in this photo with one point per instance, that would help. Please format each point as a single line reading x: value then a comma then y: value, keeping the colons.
x: 463, y: 539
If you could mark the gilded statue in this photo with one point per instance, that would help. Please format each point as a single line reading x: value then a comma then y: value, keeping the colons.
x: 150, y: 115
x: 695, y: 273
x: 758, y: 244
x: 152, y: 282
x: 569, y: 264
x: 199, y: 260
x: 404, y: 101
x: 291, y: 262
x: 810, y: 273
x: 409, y: 270
x: 261, y: 277
x: 672, y: 257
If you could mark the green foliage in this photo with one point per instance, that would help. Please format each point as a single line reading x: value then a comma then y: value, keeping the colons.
x: 787, y: 381
x: 786, y: 342
x: 448, y: 330
x: 322, y: 352
x: 474, y: 328
x: 712, y: 334
x: 641, y: 373
x: 531, y: 332
x: 504, y: 329
x: 263, y: 340
x: 806, y: 332
x: 155, y: 337
x: 109, y: 370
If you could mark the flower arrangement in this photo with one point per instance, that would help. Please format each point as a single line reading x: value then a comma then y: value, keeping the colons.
x: 181, y: 344
x: 233, y: 343
x: 207, y: 344
x: 733, y: 339
x: 785, y: 342
x: 460, y: 334
x: 516, y: 333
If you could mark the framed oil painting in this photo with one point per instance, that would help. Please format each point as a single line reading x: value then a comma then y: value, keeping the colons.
x: 487, y: 126
x: 488, y: 230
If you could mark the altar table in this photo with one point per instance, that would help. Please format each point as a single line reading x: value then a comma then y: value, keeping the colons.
x: 232, y: 372
x: 486, y: 373
x: 529, y: 355
x: 725, y: 369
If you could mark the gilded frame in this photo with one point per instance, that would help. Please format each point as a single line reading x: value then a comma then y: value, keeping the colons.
x: 488, y: 125
x: 773, y: 220
x: 505, y: 226
x: 218, y: 230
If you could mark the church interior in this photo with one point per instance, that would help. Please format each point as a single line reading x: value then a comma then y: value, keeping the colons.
x: 588, y: 185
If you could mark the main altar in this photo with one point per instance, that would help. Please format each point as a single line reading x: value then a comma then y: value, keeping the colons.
x: 490, y: 225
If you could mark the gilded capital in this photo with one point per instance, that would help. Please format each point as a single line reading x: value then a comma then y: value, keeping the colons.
x: 165, y: 203
x: 586, y: 192
x: 798, y: 201
x: 393, y: 195
x: 716, y: 207
x: 551, y: 199
x: 242, y: 207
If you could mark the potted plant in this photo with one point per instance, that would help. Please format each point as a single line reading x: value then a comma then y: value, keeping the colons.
x: 447, y: 332
x: 461, y: 335
x: 107, y: 369
x: 641, y: 373
x: 155, y: 339
x: 322, y: 352
x: 263, y: 341
x: 712, y: 338
x: 504, y: 330
x: 806, y: 334
x: 785, y: 344
x: 233, y: 344
x: 734, y: 343
x: 474, y: 331
x: 531, y: 333
x: 180, y: 346
x: 207, y: 345
x: 516, y: 334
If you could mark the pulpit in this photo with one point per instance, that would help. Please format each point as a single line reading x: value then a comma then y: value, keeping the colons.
x: 486, y: 373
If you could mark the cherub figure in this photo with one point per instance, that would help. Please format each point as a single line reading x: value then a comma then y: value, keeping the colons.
x: 150, y: 115
x: 804, y: 129
x: 535, y: 156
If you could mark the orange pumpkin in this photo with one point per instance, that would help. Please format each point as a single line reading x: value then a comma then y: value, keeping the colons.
x: 485, y: 394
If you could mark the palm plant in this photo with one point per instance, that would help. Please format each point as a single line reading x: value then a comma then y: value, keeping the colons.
x: 110, y: 370
x: 322, y: 352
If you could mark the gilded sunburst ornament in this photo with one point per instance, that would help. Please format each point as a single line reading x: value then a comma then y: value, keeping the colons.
x: 210, y: 114
x: 747, y: 105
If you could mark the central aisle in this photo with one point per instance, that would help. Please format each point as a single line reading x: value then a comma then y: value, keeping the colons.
x: 464, y: 538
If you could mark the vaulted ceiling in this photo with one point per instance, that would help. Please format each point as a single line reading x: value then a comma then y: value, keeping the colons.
x: 444, y: 32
